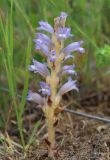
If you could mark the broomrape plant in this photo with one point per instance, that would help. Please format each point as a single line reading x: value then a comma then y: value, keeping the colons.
x: 52, y: 89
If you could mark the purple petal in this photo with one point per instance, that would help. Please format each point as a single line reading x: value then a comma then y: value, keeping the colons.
x: 45, y: 26
x: 52, y: 56
x: 41, y: 46
x: 45, y: 88
x: 68, y: 69
x: 68, y: 86
x: 73, y: 47
x: 68, y: 56
x: 70, y: 72
x: 63, y: 33
x: 35, y: 97
x: 81, y: 50
x: 63, y: 16
x: 40, y: 68
x: 43, y: 38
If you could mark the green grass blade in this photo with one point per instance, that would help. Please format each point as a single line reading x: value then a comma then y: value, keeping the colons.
x: 31, y: 138
x: 24, y: 15
x: 25, y: 90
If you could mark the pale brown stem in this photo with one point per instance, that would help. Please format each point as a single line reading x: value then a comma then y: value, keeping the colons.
x: 51, y: 131
x: 53, y: 82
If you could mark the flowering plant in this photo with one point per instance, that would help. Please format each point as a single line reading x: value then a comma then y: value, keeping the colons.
x: 52, y: 47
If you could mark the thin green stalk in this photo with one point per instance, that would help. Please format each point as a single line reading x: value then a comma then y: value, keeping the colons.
x: 23, y: 99
x: 25, y: 90
x: 24, y: 15
x: 8, y: 61
x: 31, y: 138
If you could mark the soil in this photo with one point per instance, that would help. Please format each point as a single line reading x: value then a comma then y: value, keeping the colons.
x: 77, y: 138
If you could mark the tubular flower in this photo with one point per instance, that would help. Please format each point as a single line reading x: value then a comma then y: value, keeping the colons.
x: 68, y: 69
x: 35, y: 97
x: 43, y: 38
x: 68, y: 56
x: 52, y: 71
x: 62, y: 18
x: 68, y: 86
x: 45, y: 88
x: 76, y: 46
x: 45, y: 26
x: 63, y: 33
x: 40, y: 68
x: 42, y: 47
x: 52, y: 56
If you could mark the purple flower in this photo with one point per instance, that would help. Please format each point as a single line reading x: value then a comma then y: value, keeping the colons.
x: 63, y: 33
x: 73, y: 47
x: 43, y: 38
x: 41, y: 46
x: 40, y: 68
x: 45, y: 89
x: 63, y: 16
x: 68, y: 86
x: 68, y: 56
x: 68, y: 69
x: 45, y: 26
x: 35, y: 97
x: 60, y: 21
x: 52, y: 56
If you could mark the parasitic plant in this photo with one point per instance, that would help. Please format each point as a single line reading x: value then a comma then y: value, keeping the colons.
x: 53, y: 48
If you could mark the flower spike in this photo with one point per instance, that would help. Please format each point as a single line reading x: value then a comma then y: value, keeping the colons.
x: 56, y: 55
